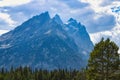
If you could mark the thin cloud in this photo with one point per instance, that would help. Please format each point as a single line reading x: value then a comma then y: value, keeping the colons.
x: 89, y: 12
x: 3, y: 31
x: 4, y: 3
x: 6, y: 18
x: 76, y: 4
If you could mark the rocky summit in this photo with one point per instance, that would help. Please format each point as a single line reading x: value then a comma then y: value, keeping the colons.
x: 47, y: 43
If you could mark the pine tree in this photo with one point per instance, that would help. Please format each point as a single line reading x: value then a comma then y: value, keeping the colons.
x: 104, y: 61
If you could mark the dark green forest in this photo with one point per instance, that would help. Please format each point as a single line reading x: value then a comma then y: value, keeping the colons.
x: 28, y: 74
x: 103, y: 64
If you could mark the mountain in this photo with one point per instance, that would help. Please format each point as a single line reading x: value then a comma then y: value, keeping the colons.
x: 47, y: 43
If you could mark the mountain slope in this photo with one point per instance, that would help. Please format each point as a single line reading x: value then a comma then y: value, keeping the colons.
x: 42, y: 42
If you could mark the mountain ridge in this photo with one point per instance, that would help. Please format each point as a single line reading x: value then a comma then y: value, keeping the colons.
x: 44, y: 42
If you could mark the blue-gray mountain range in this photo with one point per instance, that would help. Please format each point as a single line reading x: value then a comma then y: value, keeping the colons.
x: 47, y: 43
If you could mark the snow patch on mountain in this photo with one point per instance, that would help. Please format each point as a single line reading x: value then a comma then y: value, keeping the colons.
x: 48, y: 32
x: 4, y: 46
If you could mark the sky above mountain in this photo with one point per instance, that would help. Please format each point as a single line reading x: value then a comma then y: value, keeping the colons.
x: 101, y: 17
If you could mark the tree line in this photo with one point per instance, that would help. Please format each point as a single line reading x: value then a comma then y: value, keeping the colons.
x: 103, y: 64
x: 26, y: 73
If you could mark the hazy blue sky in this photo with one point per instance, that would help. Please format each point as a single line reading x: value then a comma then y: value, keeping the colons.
x: 101, y: 17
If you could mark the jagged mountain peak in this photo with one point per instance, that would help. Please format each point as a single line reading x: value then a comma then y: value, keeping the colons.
x: 43, y: 16
x: 42, y: 42
x: 34, y: 23
x: 72, y: 21
x: 57, y: 19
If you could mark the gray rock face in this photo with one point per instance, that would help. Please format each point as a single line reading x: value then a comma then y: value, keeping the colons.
x: 42, y: 42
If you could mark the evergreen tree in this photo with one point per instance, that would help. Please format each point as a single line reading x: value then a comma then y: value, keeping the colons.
x: 103, y: 63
